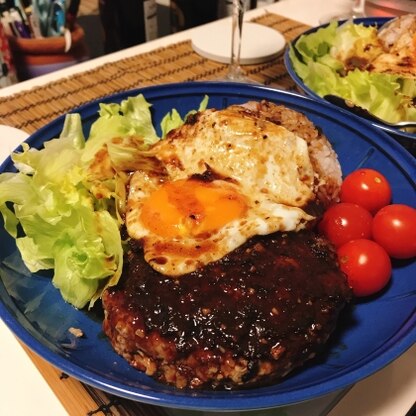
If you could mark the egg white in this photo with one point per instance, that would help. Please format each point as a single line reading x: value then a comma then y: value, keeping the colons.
x: 259, y: 160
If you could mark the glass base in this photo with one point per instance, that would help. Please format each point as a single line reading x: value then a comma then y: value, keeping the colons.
x: 237, y: 74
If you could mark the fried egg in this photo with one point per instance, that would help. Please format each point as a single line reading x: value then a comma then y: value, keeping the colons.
x: 223, y: 177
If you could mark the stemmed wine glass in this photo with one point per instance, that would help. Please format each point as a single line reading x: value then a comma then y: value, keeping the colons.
x: 235, y: 72
x: 224, y: 52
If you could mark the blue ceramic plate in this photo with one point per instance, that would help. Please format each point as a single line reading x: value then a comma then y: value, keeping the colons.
x: 408, y: 139
x: 369, y: 336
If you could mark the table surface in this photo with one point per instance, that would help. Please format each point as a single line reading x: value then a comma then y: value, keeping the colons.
x: 306, y: 11
x: 391, y: 391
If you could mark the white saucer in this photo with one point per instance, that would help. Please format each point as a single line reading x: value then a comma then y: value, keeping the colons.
x: 259, y: 43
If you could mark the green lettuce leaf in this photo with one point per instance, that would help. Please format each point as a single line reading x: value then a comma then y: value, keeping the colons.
x: 173, y: 119
x: 131, y: 117
x: 53, y: 217
x: 53, y: 208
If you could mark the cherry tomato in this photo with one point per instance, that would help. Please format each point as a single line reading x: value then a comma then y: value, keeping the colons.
x: 366, y: 264
x: 394, y: 228
x: 344, y: 222
x: 368, y: 188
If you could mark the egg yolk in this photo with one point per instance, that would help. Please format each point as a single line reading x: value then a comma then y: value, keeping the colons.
x: 191, y: 208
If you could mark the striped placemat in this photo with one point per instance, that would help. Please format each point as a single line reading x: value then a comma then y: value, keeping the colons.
x: 30, y: 110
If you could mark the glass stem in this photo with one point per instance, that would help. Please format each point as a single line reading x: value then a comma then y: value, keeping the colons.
x: 358, y: 9
x: 237, y: 30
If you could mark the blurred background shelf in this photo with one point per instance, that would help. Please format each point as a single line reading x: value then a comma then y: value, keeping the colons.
x: 89, y: 20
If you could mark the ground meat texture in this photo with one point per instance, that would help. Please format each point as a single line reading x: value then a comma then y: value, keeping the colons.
x: 246, y: 320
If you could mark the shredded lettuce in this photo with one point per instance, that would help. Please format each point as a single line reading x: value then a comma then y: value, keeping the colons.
x: 318, y: 59
x: 64, y: 204
x: 130, y: 118
x: 54, y: 219
x: 173, y: 119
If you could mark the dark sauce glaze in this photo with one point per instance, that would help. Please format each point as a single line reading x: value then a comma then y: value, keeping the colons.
x: 264, y: 296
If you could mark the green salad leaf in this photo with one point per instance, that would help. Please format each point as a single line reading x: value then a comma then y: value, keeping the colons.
x: 64, y: 204
x: 54, y: 219
x: 173, y: 119
x: 319, y: 60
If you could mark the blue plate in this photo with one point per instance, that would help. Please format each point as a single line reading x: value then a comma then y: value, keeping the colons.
x: 369, y: 336
x: 406, y: 139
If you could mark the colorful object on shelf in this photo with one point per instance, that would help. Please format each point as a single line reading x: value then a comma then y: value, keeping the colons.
x: 7, y: 70
x: 38, y: 18
x: 34, y: 57
x: 43, y: 35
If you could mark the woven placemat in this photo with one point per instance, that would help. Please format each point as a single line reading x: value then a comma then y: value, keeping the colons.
x: 32, y: 109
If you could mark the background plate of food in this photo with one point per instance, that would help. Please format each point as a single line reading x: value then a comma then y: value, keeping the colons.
x: 373, y: 69
x: 202, y: 333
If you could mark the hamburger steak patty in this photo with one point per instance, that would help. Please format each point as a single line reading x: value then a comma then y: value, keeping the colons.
x: 245, y: 320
